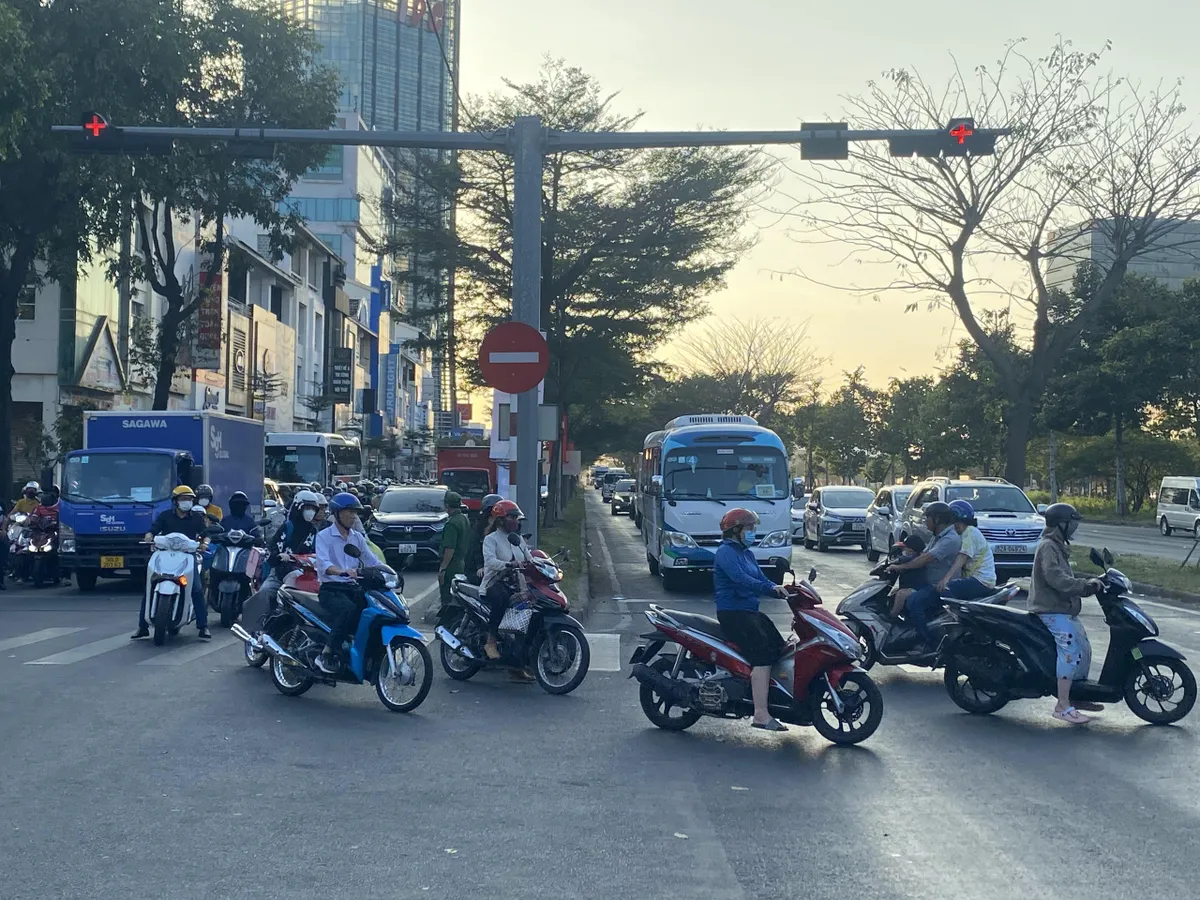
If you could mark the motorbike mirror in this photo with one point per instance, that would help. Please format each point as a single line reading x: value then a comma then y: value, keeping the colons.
x: 514, y: 539
x: 268, y: 504
x: 1096, y: 558
x: 812, y: 574
x: 1041, y: 508
x: 264, y: 521
x: 1108, y: 557
x: 213, y: 531
x: 352, y: 551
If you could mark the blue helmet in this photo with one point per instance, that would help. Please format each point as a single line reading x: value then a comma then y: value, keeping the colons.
x: 343, y: 500
x: 962, y: 511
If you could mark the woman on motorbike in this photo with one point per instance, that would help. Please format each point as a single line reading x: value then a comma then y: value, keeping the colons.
x: 974, y: 562
x: 738, y: 582
x: 499, y: 556
x: 297, y: 537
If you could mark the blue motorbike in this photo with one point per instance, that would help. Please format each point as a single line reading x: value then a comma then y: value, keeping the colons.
x: 385, y: 651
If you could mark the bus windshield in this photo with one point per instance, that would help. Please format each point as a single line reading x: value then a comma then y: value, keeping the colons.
x: 112, y: 477
x: 725, y: 473
x: 345, y: 459
x: 295, y: 464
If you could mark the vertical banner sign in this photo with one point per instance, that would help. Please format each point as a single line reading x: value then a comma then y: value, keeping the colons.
x: 206, y: 349
x: 390, y: 373
x: 341, y: 375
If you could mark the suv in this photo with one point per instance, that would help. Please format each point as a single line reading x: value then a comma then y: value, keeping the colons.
x: 609, y: 482
x: 836, y: 516
x: 408, y: 523
x: 1007, y: 518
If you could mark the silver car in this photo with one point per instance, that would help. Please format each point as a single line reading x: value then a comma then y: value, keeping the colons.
x: 883, y: 519
x: 836, y: 516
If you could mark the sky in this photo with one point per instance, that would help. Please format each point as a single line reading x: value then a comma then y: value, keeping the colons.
x: 770, y: 64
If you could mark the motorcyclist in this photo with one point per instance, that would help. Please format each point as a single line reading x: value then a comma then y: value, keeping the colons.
x: 363, y: 527
x: 975, y: 562
x: 738, y: 582
x: 297, y: 537
x: 239, y: 518
x: 182, y: 518
x: 322, y: 520
x: 498, y: 556
x: 204, y: 501
x: 936, y: 561
x: 337, y: 572
x: 29, y: 499
x: 1056, y: 594
x: 473, y: 565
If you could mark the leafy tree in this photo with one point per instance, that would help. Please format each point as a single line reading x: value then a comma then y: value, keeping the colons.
x: 846, y: 424
x: 1181, y: 339
x: 964, y: 411
x: 1146, y: 459
x: 901, y: 431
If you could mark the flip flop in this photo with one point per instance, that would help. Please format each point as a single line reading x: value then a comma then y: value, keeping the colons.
x: 773, y: 725
x: 1089, y: 706
x: 1071, y: 715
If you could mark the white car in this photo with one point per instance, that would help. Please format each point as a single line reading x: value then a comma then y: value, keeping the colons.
x: 883, y: 519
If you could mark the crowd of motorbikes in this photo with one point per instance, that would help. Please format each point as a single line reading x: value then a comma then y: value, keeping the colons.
x: 32, y: 538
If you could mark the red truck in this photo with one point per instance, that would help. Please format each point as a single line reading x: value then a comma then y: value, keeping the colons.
x: 468, y: 470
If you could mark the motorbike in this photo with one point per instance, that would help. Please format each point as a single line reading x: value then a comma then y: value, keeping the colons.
x: 169, y: 587
x: 301, y: 577
x: 816, y: 681
x: 892, y: 642
x: 536, y: 632
x: 18, y: 542
x: 233, y: 573
x: 385, y: 650
x: 42, y: 547
x: 996, y: 654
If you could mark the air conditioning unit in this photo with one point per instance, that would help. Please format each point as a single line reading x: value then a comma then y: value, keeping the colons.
x: 709, y: 419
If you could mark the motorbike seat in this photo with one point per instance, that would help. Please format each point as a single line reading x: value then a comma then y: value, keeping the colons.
x: 311, y: 602
x: 704, y: 624
x: 474, y: 591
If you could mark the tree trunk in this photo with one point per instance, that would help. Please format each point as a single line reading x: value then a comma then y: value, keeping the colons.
x: 1052, y: 467
x: 168, y: 352
x: 1016, y: 447
x: 1119, y: 449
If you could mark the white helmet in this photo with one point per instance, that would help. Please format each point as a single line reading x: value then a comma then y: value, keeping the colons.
x: 307, y: 498
x: 32, y: 485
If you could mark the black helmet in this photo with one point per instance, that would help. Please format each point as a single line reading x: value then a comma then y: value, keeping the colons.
x: 1064, y: 517
x: 939, y: 512
x: 485, y: 505
x: 238, y: 501
x: 205, y: 491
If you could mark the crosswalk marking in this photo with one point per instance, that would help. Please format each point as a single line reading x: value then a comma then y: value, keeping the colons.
x: 179, y: 657
x: 84, y: 651
x: 35, y: 637
x: 606, y: 652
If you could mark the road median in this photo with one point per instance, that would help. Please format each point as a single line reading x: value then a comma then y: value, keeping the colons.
x: 1152, y: 575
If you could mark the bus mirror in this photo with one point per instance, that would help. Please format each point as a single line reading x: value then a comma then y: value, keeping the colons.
x: 656, y: 484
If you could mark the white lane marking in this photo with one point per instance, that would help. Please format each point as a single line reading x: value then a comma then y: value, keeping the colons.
x: 513, y: 357
x: 185, y: 655
x: 606, y: 652
x: 421, y: 596
x: 1142, y: 600
x: 34, y: 637
x: 82, y: 652
x: 608, y: 564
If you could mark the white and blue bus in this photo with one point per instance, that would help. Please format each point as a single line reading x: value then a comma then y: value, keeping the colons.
x: 695, y: 470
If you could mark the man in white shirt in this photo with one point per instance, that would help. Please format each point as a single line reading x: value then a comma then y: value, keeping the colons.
x: 337, y: 572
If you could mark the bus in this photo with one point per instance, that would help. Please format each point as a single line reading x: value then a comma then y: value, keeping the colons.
x: 302, y: 457
x: 696, y: 469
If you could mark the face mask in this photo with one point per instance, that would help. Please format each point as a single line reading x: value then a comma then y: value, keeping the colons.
x: 748, y: 537
x: 309, y: 515
x: 202, y: 503
x: 1072, y: 527
x: 185, y: 505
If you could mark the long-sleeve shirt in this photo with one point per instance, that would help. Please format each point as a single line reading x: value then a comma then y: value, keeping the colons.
x: 191, y: 523
x: 737, y: 579
x: 331, y: 551
x: 296, y: 536
x: 498, y: 553
x: 1053, y: 588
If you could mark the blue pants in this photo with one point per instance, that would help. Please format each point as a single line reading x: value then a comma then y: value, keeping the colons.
x: 199, y: 603
x: 968, y: 589
x: 919, y: 606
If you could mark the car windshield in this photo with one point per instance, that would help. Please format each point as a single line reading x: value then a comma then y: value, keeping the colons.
x: 991, y: 498
x: 900, y: 496
x: 726, y: 473
x: 295, y: 464
x: 614, y: 477
x: 413, y: 501
x: 848, y: 498
x: 467, y: 482
x: 625, y: 485
x: 115, y: 477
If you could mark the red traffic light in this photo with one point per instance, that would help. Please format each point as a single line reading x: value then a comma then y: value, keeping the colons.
x: 94, y: 124
x: 961, y: 129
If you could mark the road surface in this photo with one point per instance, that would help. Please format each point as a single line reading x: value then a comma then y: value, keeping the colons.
x: 1135, y: 539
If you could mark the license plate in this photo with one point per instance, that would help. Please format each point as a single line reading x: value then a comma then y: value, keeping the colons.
x: 407, y: 548
x: 112, y: 562
x: 1137, y: 652
x: 1010, y: 548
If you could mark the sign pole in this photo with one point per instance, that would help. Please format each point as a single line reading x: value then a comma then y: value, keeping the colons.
x: 527, y: 145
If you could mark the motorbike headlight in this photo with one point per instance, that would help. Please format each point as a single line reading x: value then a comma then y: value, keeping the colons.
x: 1135, y: 613
x: 776, y: 539
x: 846, y: 643
x: 678, y: 539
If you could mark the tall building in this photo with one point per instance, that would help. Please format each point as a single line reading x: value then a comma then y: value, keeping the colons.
x: 1175, y: 260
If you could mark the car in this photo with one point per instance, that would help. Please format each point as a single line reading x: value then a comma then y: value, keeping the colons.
x: 408, y: 524
x: 799, y: 504
x: 883, y: 519
x: 611, y: 477
x: 1179, y: 506
x: 598, y: 473
x: 622, y: 497
x: 1008, y: 519
x: 836, y: 516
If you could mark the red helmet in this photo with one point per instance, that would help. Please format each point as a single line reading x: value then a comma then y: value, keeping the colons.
x: 507, y: 508
x: 738, y: 517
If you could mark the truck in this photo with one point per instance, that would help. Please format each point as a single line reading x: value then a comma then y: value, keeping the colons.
x: 122, y: 479
x: 469, y: 471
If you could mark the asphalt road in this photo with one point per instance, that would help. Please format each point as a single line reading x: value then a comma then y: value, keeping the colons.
x: 1136, y: 539
x: 129, y: 771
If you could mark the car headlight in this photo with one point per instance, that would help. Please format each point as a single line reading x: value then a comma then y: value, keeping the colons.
x: 829, y: 523
x: 776, y: 539
x: 438, y: 526
x: 66, y: 545
x: 678, y: 539
x: 797, y: 515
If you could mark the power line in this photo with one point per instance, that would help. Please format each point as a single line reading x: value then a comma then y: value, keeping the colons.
x: 446, y: 60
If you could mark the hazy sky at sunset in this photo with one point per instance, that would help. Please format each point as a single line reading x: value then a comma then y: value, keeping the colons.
x: 772, y: 63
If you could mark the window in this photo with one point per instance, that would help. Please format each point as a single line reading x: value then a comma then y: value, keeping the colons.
x: 330, y: 169
x: 277, y: 301
x: 314, y: 269
x: 25, y: 303
x: 333, y: 241
x: 1194, y: 500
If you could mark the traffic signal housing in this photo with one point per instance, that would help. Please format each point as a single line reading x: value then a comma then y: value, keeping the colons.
x: 825, y: 147
x: 99, y: 137
x: 959, y: 138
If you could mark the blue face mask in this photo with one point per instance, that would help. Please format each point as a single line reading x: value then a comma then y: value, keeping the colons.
x: 748, y: 537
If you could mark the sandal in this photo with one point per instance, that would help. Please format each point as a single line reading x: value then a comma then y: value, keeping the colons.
x: 491, y: 651
x: 1089, y: 706
x: 770, y: 725
x: 1071, y: 715
x: 520, y: 676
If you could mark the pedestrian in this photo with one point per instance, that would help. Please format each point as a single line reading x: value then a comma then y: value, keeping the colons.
x: 456, y: 538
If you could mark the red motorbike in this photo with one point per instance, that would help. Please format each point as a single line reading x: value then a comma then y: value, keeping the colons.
x: 816, y: 680
x: 302, y: 576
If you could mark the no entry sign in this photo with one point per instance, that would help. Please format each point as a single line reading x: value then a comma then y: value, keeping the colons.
x: 514, y: 357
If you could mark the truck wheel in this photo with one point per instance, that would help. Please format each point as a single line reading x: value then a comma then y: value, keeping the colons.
x: 85, y: 579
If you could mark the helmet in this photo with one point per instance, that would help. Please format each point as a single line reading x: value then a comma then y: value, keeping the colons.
x: 738, y: 517
x: 962, y: 511
x: 205, y: 491
x: 326, y: 492
x: 1064, y: 517
x: 343, y: 500
x: 183, y: 491
x: 507, y: 509
x: 488, y: 502
x: 367, y: 485
x: 940, y: 513
x: 238, y: 500
x: 31, y: 486
x: 307, y: 498
x: 315, y: 487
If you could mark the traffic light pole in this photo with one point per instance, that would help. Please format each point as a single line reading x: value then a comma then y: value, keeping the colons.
x: 528, y: 144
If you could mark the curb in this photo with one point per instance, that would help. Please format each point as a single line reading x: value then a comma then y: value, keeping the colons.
x: 1162, y: 593
x: 585, y: 602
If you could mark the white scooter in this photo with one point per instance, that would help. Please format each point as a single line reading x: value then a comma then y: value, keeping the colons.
x: 169, y: 585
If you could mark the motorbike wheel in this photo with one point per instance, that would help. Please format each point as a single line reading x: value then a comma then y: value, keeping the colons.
x: 1160, y: 691
x: 557, y: 653
x: 254, y: 658
x: 162, y: 620
x: 658, y: 710
x: 85, y: 580
x: 227, y: 604
x: 851, y: 726
x: 453, y: 664
x: 404, y: 691
x: 866, y: 641
x: 290, y: 681
x: 969, y: 696
x: 39, y: 572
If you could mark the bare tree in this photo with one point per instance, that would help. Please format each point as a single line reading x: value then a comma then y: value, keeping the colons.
x: 1098, y: 171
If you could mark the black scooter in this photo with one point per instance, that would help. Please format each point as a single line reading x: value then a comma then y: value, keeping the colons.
x: 995, y: 654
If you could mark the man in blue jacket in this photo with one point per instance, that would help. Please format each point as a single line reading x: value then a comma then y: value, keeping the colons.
x: 738, y: 583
